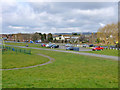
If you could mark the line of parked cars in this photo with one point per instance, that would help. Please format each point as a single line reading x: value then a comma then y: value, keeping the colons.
x: 97, y: 48
x: 50, y: 45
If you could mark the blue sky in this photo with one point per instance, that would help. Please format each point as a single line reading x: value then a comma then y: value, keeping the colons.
x: 57, y: 17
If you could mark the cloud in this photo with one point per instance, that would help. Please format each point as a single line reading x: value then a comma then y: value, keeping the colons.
x: 102, y: 25
x: 53, y: 17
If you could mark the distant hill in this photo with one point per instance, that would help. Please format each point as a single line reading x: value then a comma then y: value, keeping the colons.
x: 84, y: 33
x: 62, y: 33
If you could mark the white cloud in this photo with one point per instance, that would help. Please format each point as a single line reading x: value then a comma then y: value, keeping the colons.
x: 51, y: 17
x: 102, y: 25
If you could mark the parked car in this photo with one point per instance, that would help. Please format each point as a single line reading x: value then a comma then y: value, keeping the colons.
x: 112, y: 46
x: 31, y: 42
x: 85, y: 45
x: 55, y: 46
x: 91, y: 45
x: 68, y: 45
x: 69, y: 48
x: 26, y: 41
x: 43, y: 45
x: 38, y: 41
x: 49, y: 45
x: 105, y: 47
x: 97, y: 48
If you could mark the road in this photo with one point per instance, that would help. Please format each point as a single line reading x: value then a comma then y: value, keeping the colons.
x: 81, y: 53
x: 80, y: 49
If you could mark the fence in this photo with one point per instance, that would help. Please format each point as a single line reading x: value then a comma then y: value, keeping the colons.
x: 17, y: 50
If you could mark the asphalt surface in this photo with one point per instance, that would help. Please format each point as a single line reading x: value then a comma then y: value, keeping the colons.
x: 81, y: 53
x: 80, y: 49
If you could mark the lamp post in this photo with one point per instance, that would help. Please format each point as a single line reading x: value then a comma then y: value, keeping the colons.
x: 111, y: 38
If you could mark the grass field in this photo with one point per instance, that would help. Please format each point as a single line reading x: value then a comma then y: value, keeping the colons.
x: 24, y: 44
x: 105, y: 52
x: 11, y: 59
x: 67, y: 71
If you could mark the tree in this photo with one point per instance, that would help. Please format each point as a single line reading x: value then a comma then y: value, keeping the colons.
x: 44, y: 37
x: 35, y: 36
x: 41, y: 36
x: 81, y: 38
x: 50, y: 38
x: 108, y: 33
x: 98, y: 40
x: 74, y: 33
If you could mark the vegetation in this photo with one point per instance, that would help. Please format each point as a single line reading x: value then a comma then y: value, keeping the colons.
x: 35, y: 36
x: 105, y: 52
x: 108, y: 34
x: 11, y: 59
x: 24, y: 44
x: 67, y: 71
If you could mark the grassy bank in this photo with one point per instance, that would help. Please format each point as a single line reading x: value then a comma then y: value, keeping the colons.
x: 67, y: 71
x: 11, y: 59
x: 105, y: 52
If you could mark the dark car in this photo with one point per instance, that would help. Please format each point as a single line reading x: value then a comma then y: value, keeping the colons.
x: 112, y: 46
x: 55, y: 46
x: 91, y: 45
x: 105, y: 47
x: 70, y: 48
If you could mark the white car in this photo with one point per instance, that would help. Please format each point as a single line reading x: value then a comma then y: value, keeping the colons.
x: 49, y: 45
x: 68, y: 45
x: 85, y: 45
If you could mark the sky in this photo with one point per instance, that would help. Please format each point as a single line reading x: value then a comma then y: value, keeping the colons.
x: 56, y: 17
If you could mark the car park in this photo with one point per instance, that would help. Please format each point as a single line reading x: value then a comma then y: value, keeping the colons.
x: 97, y: 48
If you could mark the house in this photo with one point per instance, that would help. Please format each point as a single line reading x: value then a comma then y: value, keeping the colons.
x: 65, y: 37
x: 56, y: 37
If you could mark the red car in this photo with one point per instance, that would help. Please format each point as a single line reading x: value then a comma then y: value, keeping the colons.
x: 97, y: 48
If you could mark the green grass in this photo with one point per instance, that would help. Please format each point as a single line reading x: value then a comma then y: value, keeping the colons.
x: 24, y: 44
x: 67, y: 71
x: 105, y: 52
x: 11, y: 59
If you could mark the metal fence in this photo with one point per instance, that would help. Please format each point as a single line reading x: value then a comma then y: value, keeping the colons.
x: 17, y: 50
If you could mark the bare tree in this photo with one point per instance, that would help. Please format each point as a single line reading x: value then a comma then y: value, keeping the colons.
x: 108, y: 34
